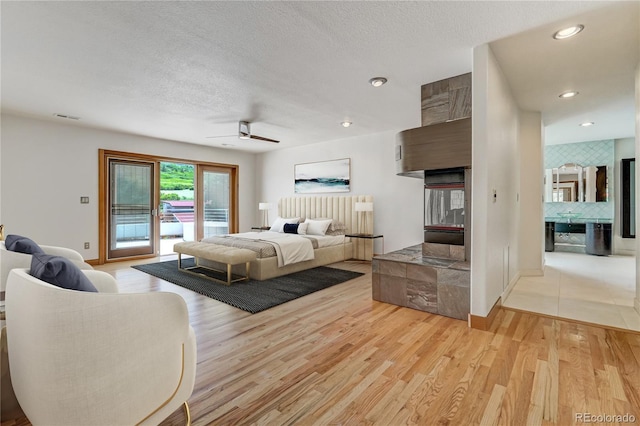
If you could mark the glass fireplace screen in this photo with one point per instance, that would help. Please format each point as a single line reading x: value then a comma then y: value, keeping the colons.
x: 444, y: 207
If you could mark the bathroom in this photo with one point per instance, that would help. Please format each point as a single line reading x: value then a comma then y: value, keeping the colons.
x: 592, y: 284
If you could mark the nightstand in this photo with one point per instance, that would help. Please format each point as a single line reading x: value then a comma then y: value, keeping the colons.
x: 367, y: 237
x: 260, y: 228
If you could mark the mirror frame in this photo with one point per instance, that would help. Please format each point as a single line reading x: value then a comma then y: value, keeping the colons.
x: 628, y: 198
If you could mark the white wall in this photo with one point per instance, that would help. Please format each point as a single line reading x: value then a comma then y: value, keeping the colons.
x: 496, y: 157
x: 47, y: 166
x: 624, y: 148
x: 531, y: 220
x: 398, y: 200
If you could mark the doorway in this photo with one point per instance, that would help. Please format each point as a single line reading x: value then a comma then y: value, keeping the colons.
x: 149, y: 203
x: 177, y: 204
x: 582, y: 287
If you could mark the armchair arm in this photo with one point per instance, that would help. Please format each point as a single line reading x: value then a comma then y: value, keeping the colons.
x: 64, y: 252
x: 103, y: 281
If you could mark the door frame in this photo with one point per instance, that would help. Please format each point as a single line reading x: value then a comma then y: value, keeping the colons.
x: 142, y: 251
x: 103, y: 193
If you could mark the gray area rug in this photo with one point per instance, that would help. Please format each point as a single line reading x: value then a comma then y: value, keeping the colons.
x: 251, y: 296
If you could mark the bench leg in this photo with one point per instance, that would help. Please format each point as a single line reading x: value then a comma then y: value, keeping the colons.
x: 229, y: 274
x: 247, y: 276
x: 179, y: 260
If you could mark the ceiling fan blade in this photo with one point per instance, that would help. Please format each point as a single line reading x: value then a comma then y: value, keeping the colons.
x: 260, y: 138
x: 223, y: 136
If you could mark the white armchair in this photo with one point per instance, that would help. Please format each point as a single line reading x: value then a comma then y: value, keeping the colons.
x: 11, y: 259
x: 82, y: 358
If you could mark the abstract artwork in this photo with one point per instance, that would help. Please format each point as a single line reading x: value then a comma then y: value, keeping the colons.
x: 323, y: 176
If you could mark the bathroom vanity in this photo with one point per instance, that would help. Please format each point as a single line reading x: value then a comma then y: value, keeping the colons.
x: 578, y: 235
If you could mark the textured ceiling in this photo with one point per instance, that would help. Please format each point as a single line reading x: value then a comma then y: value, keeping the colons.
x: 188, y: 70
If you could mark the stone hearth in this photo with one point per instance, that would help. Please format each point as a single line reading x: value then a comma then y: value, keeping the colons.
x: 431, y: 284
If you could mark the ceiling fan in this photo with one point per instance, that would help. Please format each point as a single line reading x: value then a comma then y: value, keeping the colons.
x: 244, y: 132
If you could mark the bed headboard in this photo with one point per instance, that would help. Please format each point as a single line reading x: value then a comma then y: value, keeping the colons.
x: 341, y: 208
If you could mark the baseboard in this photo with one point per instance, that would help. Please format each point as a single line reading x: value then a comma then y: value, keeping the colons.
x: 624, y: 252
x: 512, y: 284
x: 93, y: 262
x: 485, y: 323
x: 636, y: 304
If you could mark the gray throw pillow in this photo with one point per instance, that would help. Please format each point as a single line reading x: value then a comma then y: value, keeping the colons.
x: 61, y: 272
x: 21, y: 244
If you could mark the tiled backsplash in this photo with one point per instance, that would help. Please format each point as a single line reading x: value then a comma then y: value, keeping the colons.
x: 596, y: 153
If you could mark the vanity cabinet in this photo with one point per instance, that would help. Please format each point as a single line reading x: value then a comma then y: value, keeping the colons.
x: 598, y: 239
x: 570, y: 228
x: 549, y: 236
x: 590, y: 236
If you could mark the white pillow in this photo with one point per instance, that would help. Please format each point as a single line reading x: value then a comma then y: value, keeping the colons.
x: 317, y: 227
x: 278, y: 225
x: 302, y: 228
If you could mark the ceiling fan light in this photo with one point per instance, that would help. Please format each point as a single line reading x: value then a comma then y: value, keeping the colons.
x: 568, y: 32
x: 244, y: 131
x: 377, y: 81
x: 569, y: 94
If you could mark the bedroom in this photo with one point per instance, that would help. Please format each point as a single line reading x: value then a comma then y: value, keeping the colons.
x: 36, y: 149
x: 264, y: 175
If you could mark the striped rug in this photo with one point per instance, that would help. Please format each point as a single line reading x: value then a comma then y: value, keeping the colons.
x: 251, y: 296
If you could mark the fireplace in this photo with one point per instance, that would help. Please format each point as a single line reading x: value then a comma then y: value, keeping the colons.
x: 444, y: 206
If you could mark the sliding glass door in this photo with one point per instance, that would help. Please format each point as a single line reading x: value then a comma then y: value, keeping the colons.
x: 149, y: 203
x: 131, y: 208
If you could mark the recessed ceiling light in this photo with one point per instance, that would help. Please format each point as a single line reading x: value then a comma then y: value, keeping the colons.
x: 568, y: 32
x: 587, y: 123
x: 377, y: 81
x: 569, y: 94
x: 346, y: 123
x: 227, y: 144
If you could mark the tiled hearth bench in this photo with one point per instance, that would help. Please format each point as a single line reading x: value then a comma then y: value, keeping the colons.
x: 216, y: 253
x: 436, y: 285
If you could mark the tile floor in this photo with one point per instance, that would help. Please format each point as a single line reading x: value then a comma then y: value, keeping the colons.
x: 581, y: 287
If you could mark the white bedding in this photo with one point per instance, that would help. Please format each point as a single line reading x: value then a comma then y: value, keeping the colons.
x: 329, y: 240
x: 290, y: 248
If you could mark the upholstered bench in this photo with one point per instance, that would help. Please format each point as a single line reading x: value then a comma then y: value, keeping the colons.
x: 217, y: 253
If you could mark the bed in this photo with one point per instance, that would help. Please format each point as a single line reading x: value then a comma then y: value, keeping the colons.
x: 326, y: 249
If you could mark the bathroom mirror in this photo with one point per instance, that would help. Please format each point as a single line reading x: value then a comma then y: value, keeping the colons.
x: 571, y: 183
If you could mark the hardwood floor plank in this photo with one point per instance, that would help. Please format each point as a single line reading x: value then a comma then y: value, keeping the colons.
x: 341, y: 403
x: 492, y: 411
x: 338, y: 357
x: 615, y: 383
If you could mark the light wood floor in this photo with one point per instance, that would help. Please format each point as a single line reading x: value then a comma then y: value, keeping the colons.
x: 338, y: 357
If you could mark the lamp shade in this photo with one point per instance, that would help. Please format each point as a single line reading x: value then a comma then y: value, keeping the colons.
x: 364, y: 207
x: 263, y: 206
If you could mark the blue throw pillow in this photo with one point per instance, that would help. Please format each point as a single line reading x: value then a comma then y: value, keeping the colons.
x: 21, y: 244
x: 61, y: 272
x: 290, y: 228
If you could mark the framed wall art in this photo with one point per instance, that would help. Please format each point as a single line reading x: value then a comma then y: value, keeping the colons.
x: 323, y: 176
